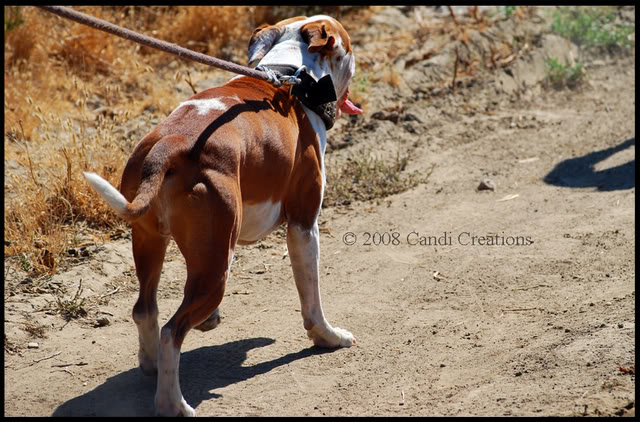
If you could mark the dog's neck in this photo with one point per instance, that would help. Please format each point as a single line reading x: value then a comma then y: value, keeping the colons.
x: 290, y: 52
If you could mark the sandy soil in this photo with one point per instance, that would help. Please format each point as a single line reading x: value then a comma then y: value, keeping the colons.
x: 447, y: 321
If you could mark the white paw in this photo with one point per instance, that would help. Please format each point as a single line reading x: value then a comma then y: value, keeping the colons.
x: 178, y: 409
x: 346, y: 338
x: 331, y: 337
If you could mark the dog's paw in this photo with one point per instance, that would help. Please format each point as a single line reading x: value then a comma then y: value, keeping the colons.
x: 179, y: 409
x: 346, y: 338
x: 331, y: 337
x: 210, y: 323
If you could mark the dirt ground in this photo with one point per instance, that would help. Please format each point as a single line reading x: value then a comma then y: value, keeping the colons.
x: 513, y: 301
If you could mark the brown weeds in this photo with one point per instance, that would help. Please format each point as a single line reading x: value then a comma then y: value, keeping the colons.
x: 365, y: 178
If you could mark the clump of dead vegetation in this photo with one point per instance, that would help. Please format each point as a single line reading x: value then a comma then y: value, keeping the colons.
x: 34, y: 329
x: 365, y: 178
x: 71, y: 308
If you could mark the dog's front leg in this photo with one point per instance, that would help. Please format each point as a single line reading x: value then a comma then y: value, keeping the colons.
x: 304, y: 252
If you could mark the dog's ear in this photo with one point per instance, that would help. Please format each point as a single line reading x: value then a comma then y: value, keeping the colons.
x: 261, y: 41
x: 319, y: 36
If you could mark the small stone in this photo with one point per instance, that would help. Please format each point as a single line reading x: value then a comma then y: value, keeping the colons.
x: 103, y: 321
x: 33, y: 345
x: 487, y: 184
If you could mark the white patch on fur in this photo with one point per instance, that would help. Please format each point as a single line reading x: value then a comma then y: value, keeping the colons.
x: 169, y: 400
x: 148, y: 336
x: 259, y: 220
x: 110, y: 194
x: 204, y: 106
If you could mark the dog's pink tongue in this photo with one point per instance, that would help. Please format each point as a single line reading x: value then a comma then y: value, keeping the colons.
x: 348, y: 107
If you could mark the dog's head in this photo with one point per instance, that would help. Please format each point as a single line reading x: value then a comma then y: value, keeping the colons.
x: 319, y: 42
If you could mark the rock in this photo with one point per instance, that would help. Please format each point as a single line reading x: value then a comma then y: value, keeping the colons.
x: 102, y: 321
x: 33, y: 345
x: 487, y: 184
x: 381, y: 115
x: 409, y: 117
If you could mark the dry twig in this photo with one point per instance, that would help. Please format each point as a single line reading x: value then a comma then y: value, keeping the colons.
x: 48, y: 357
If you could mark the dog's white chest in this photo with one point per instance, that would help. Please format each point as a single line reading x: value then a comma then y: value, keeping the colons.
x: 258, y: 220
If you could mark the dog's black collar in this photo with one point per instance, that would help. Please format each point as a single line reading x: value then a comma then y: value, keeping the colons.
x: 319, y: 96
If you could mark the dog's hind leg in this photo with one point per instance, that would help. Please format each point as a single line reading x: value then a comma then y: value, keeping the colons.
x: 210, y: 323
x: 148, y: 253
x: 203, y: 294
x: 205, y: 226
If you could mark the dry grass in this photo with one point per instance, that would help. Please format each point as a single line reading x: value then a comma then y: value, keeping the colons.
x: 364, y: 178
x: 35, y: 329
x: 72, y: 97
x: 71, y: 308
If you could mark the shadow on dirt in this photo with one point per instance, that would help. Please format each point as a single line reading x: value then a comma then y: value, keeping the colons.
x: 579, y: 172
x: 201, y: 370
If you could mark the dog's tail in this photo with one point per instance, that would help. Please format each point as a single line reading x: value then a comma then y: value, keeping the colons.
x: 110, y: 194
x: 161, y: 157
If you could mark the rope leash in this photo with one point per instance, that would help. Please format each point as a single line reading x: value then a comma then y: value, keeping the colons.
x: 265, y: 75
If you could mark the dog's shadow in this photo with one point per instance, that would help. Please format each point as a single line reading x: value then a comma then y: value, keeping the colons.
x: 202, y: 371
x: 579, y: 172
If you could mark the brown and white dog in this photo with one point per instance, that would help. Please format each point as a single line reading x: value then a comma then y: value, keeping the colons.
x: 227, y: 167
